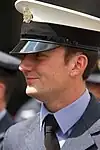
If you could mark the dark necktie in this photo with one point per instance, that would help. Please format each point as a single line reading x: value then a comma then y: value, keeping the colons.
x: 50, y: 128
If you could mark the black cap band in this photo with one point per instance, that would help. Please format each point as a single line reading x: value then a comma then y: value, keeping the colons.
x: 45, y: 36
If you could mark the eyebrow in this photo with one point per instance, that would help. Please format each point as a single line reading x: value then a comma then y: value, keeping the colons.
x: 45, y: 53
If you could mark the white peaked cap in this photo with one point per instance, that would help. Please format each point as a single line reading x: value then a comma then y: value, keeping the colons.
x: 48, y: 13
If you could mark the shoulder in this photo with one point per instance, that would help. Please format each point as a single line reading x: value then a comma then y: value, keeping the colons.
x: 23, y: 126
x: 15, y: 133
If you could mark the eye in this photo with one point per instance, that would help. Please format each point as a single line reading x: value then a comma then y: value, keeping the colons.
x: 21, y: 57
x: 40, y: 56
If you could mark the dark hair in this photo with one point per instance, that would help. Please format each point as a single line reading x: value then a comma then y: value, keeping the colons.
x: 8, y: 77
x: 91, y: 55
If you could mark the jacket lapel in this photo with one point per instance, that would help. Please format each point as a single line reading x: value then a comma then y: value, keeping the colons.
x: 79, y: 143
x: 80, y: 138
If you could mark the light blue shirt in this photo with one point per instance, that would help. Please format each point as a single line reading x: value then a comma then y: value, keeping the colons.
x: 67, y: 116
x: 2, y: 113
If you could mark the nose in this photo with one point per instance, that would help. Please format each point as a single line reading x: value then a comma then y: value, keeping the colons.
x: 26, y: 65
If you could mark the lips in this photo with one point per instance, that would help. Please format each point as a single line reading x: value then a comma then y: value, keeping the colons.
x: 30, y: 79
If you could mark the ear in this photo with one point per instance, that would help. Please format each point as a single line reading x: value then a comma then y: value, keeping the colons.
x: 2, y: 90
x: 79, y: 64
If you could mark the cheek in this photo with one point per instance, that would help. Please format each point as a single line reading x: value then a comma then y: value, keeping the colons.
x: 52, y: 70
x: 52, y: 73
x: 46, y: 72
x: 44, y: 67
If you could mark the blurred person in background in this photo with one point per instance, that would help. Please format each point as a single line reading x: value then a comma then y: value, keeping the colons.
x: 8, y: 72
x: 18, y: 97
x: 93, y: 82
x: 28, y: 110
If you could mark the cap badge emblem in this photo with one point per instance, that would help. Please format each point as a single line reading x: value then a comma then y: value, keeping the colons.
x: 27, y: 15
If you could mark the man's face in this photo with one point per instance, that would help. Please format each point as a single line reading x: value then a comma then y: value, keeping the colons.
x: 45, y: 73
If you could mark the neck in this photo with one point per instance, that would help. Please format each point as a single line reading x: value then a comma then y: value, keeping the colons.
x: 65, y: 98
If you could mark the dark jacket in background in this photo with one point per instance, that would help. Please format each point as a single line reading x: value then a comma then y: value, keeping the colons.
x: 5, y: 123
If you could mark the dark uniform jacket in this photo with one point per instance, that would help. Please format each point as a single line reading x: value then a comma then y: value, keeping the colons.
x: 26, y: 135
x: 5, y: 123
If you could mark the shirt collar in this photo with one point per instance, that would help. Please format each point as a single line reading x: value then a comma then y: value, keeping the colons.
x: 71, y: 113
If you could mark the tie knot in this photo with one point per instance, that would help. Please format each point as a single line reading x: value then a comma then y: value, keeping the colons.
x: 51, y: 124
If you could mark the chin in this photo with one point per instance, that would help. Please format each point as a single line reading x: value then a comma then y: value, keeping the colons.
x: 31, y: 91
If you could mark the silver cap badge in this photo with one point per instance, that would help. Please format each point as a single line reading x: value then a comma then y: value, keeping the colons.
x: 27, y: 15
